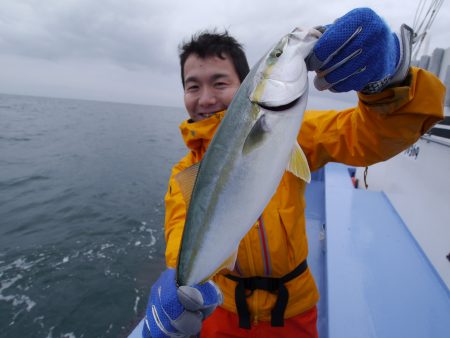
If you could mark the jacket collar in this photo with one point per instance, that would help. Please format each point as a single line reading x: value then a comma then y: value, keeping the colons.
x: 198, y: 135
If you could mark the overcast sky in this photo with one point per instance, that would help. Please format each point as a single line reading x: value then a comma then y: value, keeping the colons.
x: 126, y: 50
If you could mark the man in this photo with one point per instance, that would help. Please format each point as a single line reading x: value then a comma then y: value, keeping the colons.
x: 396, y: 105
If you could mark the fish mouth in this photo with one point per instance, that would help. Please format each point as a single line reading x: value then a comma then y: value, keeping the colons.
x: 280, y: 108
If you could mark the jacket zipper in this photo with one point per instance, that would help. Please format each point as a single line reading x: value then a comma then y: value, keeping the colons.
x: 254, y: 298
x: 264, y: 247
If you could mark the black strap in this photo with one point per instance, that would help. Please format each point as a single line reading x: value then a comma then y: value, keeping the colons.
x: 270, y: 284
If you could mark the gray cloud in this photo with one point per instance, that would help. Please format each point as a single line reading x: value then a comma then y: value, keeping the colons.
x: 57, y: 30
x: 127, y: 50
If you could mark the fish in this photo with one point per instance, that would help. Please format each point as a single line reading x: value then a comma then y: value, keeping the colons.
x: 254, y: 145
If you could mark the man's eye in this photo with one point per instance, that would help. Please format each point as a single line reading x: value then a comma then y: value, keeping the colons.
x: 191, y: 88
x: 220, y: 84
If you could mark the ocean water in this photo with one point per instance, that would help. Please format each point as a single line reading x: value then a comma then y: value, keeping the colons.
x: 81, y: 213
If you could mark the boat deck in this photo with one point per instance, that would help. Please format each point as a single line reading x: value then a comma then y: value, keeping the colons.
x: 378, y: 282
x: 374, y: 280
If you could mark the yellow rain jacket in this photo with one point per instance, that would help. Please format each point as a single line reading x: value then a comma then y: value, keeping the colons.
x: 381, y: 126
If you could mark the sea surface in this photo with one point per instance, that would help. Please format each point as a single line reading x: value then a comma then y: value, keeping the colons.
x: 81, y: 212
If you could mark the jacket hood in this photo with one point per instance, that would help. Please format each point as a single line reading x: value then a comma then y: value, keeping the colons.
x: 197, y: 135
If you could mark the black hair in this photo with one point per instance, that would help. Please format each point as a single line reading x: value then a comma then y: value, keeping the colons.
x: 207, y: 44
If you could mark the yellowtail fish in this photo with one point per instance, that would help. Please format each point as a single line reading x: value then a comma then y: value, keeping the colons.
x: 242, y: 168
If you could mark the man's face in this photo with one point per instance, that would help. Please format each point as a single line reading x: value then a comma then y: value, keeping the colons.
x: 209, y: 85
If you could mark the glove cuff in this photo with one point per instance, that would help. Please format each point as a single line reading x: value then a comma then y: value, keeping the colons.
x: 401, y: 71
x: 405, y: 38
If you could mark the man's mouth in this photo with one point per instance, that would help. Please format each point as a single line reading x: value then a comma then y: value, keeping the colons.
x: 206, y: 115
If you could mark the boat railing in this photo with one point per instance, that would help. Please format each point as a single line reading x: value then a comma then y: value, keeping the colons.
x: 440, y: 133
x: 430, y: 138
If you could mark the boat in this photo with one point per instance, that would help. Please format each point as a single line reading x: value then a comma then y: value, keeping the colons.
x: 416, y: 181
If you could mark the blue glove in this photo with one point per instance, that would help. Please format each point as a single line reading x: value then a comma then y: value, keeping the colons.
x: 178, y: 312
x: 359, y: 52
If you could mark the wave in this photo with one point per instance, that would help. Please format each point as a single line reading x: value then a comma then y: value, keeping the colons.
x: 20, y: 181
x: 15, y: 138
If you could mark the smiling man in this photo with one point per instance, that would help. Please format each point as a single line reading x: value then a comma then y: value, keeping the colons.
x: 212, y: 69
x: 271, y: 291
x: 209, y: 85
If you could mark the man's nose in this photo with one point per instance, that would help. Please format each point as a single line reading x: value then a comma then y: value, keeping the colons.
x: 207, y: 97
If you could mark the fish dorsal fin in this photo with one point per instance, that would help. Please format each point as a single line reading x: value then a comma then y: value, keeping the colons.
x: 298, y: 164
x: 186, y: 180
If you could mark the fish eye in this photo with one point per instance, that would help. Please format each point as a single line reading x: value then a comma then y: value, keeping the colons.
x: 278, y: 53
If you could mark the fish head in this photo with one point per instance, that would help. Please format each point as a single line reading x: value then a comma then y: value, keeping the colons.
x: 282, y: 75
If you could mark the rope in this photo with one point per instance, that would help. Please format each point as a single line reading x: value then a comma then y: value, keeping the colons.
x: 422, y: 22
x: 365, y: 177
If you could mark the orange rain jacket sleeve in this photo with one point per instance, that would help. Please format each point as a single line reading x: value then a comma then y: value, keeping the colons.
x: 381, y: 126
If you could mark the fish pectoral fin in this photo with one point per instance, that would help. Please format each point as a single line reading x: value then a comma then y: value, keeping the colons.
x: 298, y: 164
x: 186, y: 181
x: 256, y: 135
